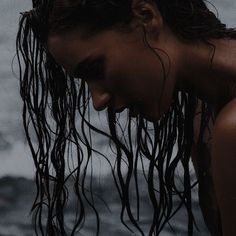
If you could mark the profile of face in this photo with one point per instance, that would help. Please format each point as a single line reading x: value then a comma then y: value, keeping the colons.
x: 121, y: 71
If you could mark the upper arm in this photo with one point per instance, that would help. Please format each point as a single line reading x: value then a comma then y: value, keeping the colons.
x: 223, y: 153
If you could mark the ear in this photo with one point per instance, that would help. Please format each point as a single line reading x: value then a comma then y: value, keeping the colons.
x: 147, y: 15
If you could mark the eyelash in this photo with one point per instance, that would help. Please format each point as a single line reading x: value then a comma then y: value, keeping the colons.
x: 93, y: 71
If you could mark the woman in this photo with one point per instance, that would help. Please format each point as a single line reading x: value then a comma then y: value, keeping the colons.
x: 172, y: 63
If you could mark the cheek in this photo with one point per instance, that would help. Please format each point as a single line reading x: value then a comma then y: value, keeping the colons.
x: 127, y: 83
x: 148, y: 84
x: 135, y: 84
x: 120, y: 78
x: 135, y: 76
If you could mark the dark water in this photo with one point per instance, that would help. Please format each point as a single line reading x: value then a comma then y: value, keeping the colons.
x: 16, y: 196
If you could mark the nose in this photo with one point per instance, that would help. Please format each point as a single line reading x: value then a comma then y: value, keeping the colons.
x: 100, y: 97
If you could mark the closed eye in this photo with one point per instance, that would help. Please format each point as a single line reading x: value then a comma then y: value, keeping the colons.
x: 92, y: 70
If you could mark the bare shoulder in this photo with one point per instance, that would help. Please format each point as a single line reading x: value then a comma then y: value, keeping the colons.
x: 223, y: 147
x: 226, y: 122
x: 223, y: 152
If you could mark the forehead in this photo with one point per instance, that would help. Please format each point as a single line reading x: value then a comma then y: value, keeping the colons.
x: 67, y: 49
x: 71, y: 48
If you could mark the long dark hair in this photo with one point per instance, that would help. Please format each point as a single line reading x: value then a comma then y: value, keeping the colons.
x: 57, y: 120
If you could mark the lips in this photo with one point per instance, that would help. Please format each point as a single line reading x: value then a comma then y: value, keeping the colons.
x: 134, y: 110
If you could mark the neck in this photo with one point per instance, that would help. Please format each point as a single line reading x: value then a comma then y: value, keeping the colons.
x: 210, y: 75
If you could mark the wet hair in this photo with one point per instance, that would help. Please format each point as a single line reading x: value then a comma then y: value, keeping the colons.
x: 56, y: 117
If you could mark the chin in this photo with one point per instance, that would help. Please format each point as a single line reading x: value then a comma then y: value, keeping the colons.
x: 155, y: 114
x: 152, y: 117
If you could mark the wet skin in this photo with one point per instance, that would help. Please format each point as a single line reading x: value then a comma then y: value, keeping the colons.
x: 130, y: 73
x: 122, y: 71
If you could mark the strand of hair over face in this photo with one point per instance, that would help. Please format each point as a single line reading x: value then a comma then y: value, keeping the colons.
x: 59, y: 129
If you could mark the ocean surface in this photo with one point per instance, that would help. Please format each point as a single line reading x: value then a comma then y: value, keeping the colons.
x: 17, y: 187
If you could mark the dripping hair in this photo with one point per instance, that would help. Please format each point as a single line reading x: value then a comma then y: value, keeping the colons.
x: 56, y: 117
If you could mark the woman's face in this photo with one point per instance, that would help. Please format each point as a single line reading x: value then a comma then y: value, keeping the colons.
x: 122, y: 72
